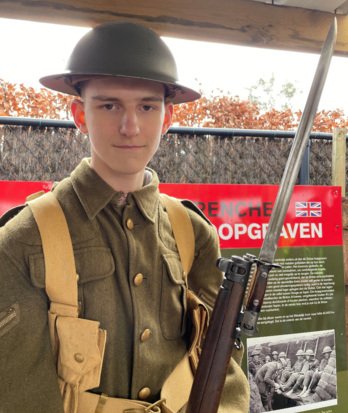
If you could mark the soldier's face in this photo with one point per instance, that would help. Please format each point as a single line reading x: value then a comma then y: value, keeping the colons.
x: 124, y: 119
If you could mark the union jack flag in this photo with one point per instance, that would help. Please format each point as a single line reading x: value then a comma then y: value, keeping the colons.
x: 308, y: 209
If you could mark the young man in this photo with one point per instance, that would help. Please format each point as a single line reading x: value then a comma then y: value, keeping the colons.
x: 130, y: 278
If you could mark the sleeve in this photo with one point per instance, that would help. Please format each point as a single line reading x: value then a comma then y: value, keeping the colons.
x: 270, y: 374
x: 28, y: 379
x: 205, y: 280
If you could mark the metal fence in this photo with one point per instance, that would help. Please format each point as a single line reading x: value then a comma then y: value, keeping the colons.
x: 49, y: 150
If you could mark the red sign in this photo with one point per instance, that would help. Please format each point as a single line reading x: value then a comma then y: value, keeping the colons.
x: 240, y: 213
x: 13, y: 193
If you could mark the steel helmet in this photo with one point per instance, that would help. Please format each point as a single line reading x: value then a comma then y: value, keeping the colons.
x: 121, y: 49
x: 282, y: 354
x: 274, y: 353
x: 309, y: 352
x: 327, y: 349
x: 300, y: 352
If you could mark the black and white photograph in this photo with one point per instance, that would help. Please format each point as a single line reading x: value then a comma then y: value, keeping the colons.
x: 292, y: 373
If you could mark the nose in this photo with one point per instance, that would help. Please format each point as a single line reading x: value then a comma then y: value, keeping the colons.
x: 129, y: 124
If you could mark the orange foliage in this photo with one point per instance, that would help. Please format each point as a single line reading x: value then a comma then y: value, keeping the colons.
x: 19, y: 100
x: 214, y: 112
x: 231, y: 112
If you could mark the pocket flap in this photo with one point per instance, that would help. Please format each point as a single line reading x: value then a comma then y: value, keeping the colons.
x: 94, y: 263
x: 174, y: 268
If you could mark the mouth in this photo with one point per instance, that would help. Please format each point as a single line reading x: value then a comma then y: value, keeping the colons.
x: 128, y: 147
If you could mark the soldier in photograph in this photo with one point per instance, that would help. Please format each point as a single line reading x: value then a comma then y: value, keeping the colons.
x: 294, y: 371
x: 313, y: 375
x: 267, y: 381
x: 255, y: 362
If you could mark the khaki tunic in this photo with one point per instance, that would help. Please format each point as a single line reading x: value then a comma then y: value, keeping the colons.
x: 130, y: 280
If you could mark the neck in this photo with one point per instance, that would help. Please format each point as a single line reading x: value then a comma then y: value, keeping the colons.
x: 125, y: 184
x: 118, y: 181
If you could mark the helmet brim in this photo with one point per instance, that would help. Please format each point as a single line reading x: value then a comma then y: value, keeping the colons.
x: 63, y: 83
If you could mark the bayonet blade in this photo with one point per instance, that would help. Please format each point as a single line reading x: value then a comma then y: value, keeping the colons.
x: 270, y: 243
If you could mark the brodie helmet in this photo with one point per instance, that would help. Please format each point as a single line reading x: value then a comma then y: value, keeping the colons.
x: 300, y: 352
x: 327, y: 349
x: 121, y: 49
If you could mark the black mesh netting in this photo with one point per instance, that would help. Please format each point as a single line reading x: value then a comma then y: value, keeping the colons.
x: 28, y: 153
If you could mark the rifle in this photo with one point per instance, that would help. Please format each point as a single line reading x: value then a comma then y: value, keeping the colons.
x: 229, y: 318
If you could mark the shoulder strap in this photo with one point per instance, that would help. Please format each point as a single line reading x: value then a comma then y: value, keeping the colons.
x: 61, y: 277
x: 182, y: 230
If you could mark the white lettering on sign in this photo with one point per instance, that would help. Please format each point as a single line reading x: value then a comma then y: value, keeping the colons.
x: 256, y: 231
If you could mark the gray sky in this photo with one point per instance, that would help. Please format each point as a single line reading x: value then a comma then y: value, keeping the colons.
x: 30, y: 50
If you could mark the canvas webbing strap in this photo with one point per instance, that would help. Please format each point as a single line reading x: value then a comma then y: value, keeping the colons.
x: 182, y: 230
x: 60, y: 270
x: 176, y: 389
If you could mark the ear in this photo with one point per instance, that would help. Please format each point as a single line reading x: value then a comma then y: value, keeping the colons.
x: 78, y: 112
x: 167, y: 121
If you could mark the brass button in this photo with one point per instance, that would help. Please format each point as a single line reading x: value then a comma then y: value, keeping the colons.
x: 144, y: 393
x: 145, y: 335
x: 79, y: 358
x: 130, y: 224
x: 138, y: 279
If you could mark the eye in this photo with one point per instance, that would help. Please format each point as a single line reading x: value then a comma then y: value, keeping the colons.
x: 110, y: 106
x: 147, y: 108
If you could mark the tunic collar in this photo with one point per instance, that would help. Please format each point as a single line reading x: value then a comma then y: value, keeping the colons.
x: 95, y: 194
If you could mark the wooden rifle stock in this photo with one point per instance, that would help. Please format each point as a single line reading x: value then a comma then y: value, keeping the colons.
x: 222, y: 336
